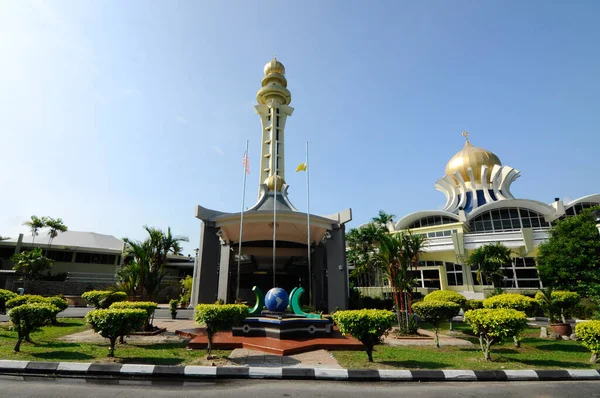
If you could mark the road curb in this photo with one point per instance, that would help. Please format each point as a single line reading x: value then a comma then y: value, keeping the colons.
x: 195, y: 373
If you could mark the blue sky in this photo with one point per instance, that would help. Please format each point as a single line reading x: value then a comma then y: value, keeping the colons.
x: 118, y: 114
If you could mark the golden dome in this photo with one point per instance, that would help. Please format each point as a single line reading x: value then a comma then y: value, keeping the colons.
x: 274, y: 66
x: 271, y: 184
x: 473, y: 157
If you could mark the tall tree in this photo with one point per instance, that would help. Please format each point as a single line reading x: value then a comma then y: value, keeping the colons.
x: 396, y: 256
x: 383, y: 219
x: 56, y: 226
x: 489, y: 260
x: 570, y: 259
x: 35, y: 224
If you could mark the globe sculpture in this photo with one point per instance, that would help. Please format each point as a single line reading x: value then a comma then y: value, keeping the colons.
x: 276, y: 300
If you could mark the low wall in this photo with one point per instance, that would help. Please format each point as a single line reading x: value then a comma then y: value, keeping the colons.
x: 73, y: 290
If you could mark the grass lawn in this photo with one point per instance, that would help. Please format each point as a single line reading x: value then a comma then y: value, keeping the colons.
x: 535, y: 353
x: 45, y: 347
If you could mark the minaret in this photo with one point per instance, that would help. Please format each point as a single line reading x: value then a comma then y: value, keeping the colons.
x: 273, y: 100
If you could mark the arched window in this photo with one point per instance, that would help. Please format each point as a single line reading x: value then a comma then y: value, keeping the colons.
x: 508, y: 219
x: 579, y: 207
x: 431, y: 221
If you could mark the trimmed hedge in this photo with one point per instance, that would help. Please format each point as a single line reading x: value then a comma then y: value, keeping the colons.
x: 5, y: 295
x: 148, y: 306
x: 59, y: 303
x: 447, y: 295
x: 435, y: 312
x: 113, y: 323
x: 219, y: 318
x: 368, y: 326
x: 102, y: 299
x: 512, y: 301
x: 495, y: 325
x: 589, y: 332
x: 473, y: 305
x: 28, y: 317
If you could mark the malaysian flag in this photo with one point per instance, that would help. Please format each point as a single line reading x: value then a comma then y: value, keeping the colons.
x: 246, y: 162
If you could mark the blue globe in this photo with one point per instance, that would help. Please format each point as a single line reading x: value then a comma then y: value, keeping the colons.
x: 276, y: 300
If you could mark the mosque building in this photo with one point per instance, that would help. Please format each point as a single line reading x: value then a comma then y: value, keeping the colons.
x: 480, y: 209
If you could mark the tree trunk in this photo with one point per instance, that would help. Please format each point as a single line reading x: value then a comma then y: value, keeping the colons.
x: 517, y: 342
x: 594, y: 358
x: 486, y: 354
x: 436, y: 338
x: 18, y: 345
x: 209, y: 346
x: 451, y: 325
x: 122, y: 339
x: 111, y: 350
x: 370, y: 353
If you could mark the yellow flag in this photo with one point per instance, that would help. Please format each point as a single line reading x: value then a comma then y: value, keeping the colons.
x: 301, y: 167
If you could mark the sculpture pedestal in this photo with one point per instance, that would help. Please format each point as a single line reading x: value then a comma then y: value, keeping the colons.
x: 285, y: 327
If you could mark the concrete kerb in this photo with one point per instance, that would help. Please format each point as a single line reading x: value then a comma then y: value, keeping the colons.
x: 194, y: 373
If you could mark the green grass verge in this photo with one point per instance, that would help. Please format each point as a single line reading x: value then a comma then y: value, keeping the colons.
x: 534, y: 353
x: 45, y: 347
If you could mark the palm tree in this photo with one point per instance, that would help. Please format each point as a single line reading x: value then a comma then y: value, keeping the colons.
x: 489, y: 260
x: 150, y: 257
x: 414, y: 246
x: 383, y: 219
x: 35, y: 225
x: 56, y: 226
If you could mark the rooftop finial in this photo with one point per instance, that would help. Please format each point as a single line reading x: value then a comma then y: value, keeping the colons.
x: 274, y: 55
x: 466, y: 135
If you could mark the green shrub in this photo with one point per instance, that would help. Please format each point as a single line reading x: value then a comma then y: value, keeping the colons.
x: 435, y: 312
x: 495, y: 325
x: 186, y: 288
x: 25, y: 299
x: 219, y: 318
x: 368, y: 326
x: 173, y: 304
x: 59, y: 303
x: 148, y: 306
x: 113, y: 323
x: 589, y: 332
x: 101, y: 299
x: 473, y: 305
x: 557, y: 303
x: 511, y: 301
x: 28, y: 317
x: 447, y: 295
x: 5, y: 295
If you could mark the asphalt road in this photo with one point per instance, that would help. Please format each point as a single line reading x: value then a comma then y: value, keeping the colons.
x: 76, y: 388
x: 79, y: 312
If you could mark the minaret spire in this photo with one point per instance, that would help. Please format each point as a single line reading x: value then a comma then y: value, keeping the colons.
x: 273, y: 100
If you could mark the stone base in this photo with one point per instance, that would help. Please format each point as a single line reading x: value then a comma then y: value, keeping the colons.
x: 286, y: 328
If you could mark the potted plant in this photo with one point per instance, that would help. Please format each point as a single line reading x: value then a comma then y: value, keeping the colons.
x: 556, y: 305
x: 173, y: 307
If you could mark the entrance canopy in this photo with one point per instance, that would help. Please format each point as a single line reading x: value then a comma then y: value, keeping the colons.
x: 259, y: 221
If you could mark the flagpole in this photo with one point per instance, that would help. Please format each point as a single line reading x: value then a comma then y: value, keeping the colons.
x: 275, y: 164
x: 308, y: 228
x: 237, y: 289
